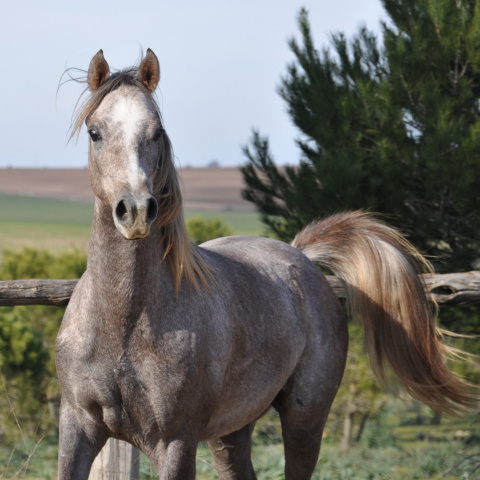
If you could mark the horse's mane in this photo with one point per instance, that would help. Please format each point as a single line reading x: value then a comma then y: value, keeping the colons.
x: 183, y: 256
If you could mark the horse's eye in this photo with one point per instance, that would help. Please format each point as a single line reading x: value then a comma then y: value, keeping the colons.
x: 158, y: 135
x: 94, y: 135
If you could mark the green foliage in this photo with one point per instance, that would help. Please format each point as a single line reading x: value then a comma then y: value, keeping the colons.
x: 38, y: 461
x: 465, y: 320
x: 378, y: 434
x: 391, y: 126
x: 470, y: 368
x: 242, y: 223
x: 21, y: 347
x: 360, y: 399
x: 201, y: 230
x: 30, y: 393
x: 33, y: 263
x: 268, y: 430
x: 31, y: 459
x: 432, y: 462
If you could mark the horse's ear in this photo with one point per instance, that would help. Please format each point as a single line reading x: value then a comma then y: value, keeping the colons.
x: 98, y: 71
x: 149, y: 71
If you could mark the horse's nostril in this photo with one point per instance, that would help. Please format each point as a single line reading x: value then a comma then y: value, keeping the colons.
x: 136, y: 213
x: 121, y: 211
x: 152, y: 210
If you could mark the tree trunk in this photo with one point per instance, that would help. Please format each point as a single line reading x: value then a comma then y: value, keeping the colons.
x: 361, y: 427
x: 436, y: 419
x: 347, y: 435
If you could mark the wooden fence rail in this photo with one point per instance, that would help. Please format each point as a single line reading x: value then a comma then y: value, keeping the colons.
x: 460, y: 289
x: 119, y: 460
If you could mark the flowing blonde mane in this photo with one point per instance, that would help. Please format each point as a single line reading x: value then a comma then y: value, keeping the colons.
x: 183, y: 256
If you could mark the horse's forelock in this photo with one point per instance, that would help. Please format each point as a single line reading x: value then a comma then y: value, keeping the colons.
x: 125, y: 77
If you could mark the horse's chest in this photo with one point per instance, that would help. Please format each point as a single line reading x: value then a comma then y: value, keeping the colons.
x: 141, y: 392
x: 124, y: 399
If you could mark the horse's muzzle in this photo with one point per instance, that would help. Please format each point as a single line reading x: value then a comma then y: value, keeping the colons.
x: 133, y: 216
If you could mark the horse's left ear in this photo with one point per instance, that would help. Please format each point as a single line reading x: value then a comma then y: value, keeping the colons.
x: 149, y: 71
x: 98, y: 71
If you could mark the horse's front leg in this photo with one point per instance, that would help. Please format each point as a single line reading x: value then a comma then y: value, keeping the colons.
x: 79, y: 444
x: 174, y: 459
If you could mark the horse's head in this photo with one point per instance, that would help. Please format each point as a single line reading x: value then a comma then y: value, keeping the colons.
x: 126, y: 142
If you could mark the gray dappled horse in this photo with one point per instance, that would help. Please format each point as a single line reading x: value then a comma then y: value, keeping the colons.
x: 165, y: 344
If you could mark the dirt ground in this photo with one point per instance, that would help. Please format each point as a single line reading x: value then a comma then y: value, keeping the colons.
x: 203, y: 188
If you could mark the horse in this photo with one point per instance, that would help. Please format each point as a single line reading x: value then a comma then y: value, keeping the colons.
x: 165, y: 344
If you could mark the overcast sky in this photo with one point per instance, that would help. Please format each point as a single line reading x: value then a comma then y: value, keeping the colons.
x: 220, y: 61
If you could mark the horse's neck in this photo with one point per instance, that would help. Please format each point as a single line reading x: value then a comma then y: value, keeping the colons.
x: 122, y: 272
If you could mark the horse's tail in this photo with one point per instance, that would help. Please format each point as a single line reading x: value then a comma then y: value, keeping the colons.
x: 380, y: 270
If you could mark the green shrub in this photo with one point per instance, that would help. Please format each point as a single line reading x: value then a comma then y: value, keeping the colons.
x: 34, y: 263
x: 267, y: 429
x: 202, y: 230
x: 29, y: 389
x: 378, y: 435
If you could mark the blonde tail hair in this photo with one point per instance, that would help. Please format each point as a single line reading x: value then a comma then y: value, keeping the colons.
x: 380, y: 270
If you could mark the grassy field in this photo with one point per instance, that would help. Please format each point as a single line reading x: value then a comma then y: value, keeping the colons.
x: 400, y: 455
x: 44, y: 222
x: 63, y: 224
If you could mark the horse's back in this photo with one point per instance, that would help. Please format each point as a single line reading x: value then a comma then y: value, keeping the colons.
x: 267, y: 255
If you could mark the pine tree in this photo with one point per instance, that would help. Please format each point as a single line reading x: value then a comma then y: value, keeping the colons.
x: 392, y: 126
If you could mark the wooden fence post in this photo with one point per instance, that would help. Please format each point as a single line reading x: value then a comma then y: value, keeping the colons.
x: 117, y: 461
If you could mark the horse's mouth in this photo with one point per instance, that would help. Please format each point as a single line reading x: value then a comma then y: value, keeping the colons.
x: 134, y: 232
x: 136, y: 238
x: 136, y: 235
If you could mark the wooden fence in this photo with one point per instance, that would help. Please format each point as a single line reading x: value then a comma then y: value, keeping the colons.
x: 119, y: 460
x: 460, y: 289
